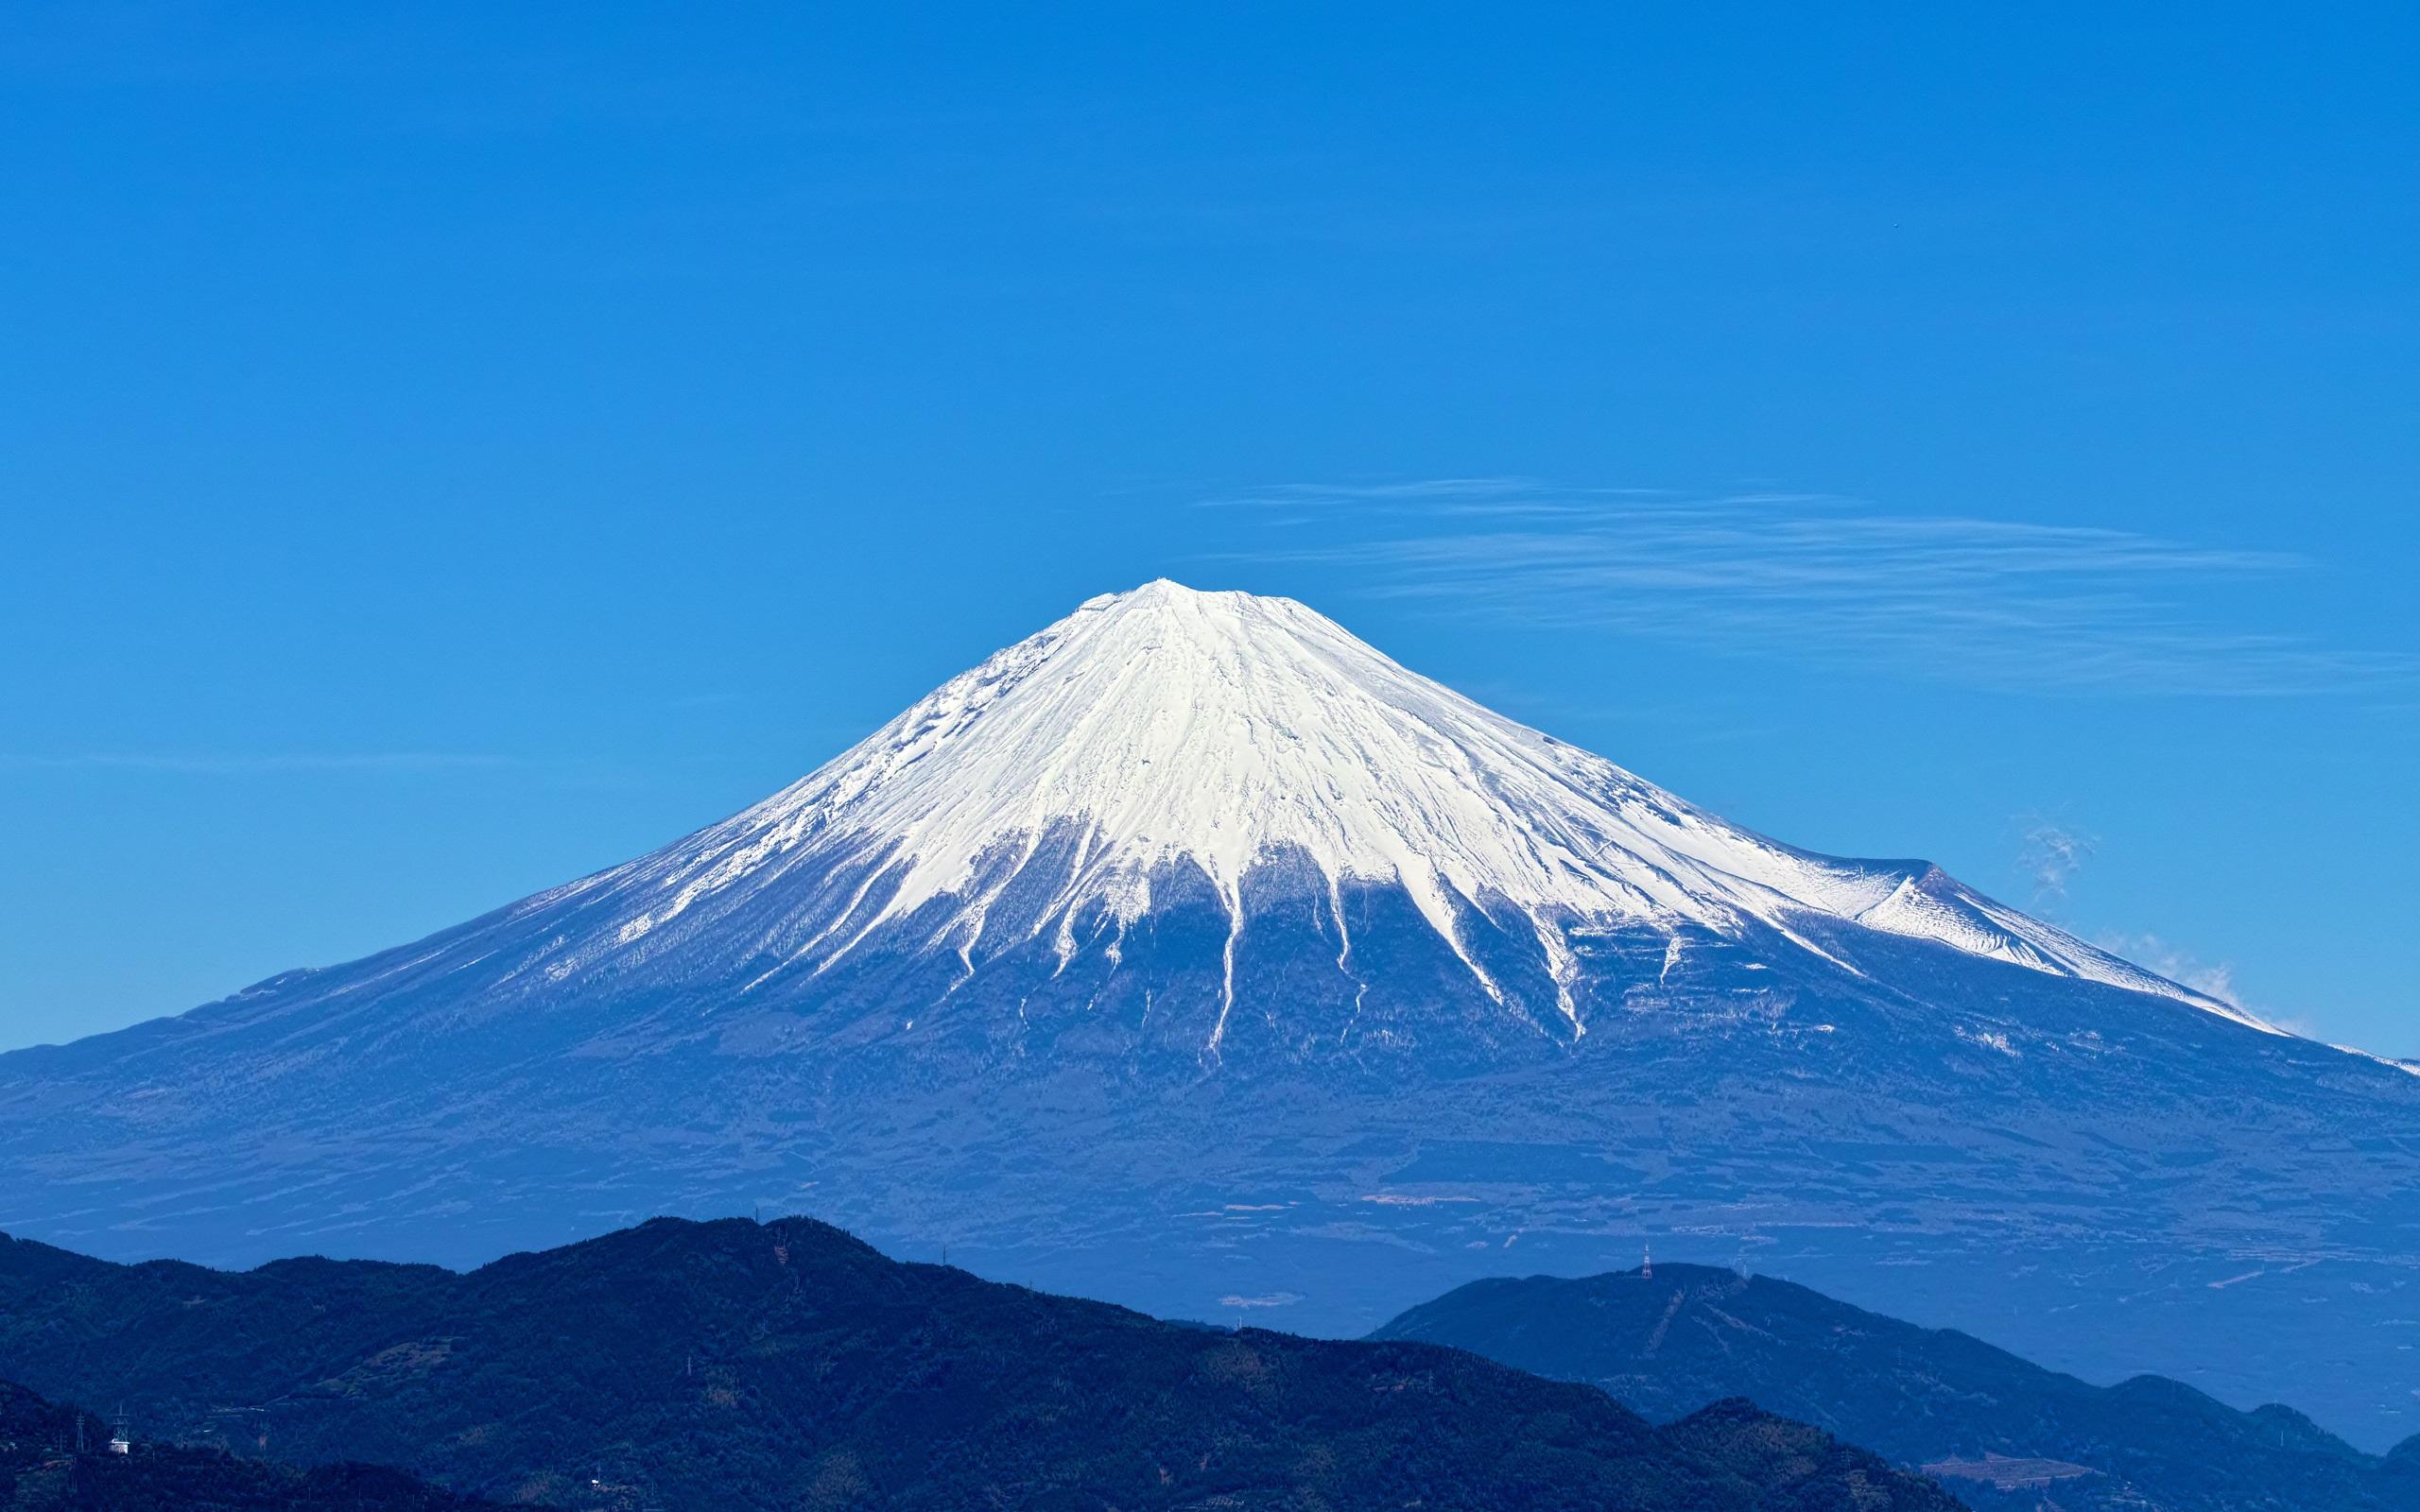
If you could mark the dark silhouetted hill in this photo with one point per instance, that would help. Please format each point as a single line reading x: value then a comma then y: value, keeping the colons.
x: 42, y: 1470
x: 2004, y: 1432
x: 711, y: 1365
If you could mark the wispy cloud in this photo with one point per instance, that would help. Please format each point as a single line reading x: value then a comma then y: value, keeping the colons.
x: 1265, y: 1299
x: 1994, y: 603
x: 2050, y: 856
x: 2215, y: 979
x: 256, y: 763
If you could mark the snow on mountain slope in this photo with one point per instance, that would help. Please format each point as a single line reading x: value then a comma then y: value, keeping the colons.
x: 1225, y: 727
x: 1192, y: 949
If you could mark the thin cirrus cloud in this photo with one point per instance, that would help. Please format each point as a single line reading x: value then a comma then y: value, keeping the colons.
x: 271, y: 764
x: 1993, y: 602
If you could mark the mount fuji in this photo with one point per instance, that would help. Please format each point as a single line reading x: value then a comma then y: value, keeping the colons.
x: 1193, y: 954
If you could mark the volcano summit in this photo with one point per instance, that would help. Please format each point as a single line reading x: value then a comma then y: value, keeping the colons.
x: 1194, y: 954
x: 1176, y: 740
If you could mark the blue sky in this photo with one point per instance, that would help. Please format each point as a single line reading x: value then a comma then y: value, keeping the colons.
x: 446, y: 450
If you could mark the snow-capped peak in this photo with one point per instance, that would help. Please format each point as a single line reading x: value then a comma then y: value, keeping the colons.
x: 1222, y: 729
